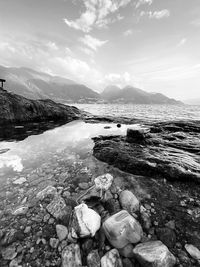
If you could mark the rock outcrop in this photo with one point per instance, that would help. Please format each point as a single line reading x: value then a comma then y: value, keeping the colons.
x: 170, y: 150
x: 18, y: 109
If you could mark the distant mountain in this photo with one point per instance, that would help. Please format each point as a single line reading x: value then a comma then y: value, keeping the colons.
x: 38, y: 85
x: 134, y: 95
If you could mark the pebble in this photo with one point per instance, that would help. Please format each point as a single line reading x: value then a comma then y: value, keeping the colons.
x: 129, y: 201
x: 9, y: 253
x: 193, y: 251
x: 19, y: 181
x: 54, y: 242
x: 93, y: 259
x: 154, y: 254
x: 83, y: 186
x: 62, y: 232
x: 111, y: 259
x: 71, y: 256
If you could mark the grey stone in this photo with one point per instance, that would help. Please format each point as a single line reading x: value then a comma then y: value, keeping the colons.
x: 129, y: 201
x: 111, y: 259
x: 93, y: 259
x: 154, y: 254
x: 62, y: 232
x: 71, y: 256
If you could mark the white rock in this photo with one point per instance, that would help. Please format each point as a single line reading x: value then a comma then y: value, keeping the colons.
x: 20, y: 210
x: 88, y: 220
x: 71, y: 256
x: 62, y: 231
x: 193, y: 251
x: 20, y: 180
x: 103, y: 182
x: 154, y: 254
x: 49, y: 190
x: 122, y: 229
x: 129, y: 201
x: 111, y: 259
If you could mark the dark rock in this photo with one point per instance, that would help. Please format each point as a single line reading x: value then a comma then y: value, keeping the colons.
x: 167, y: 236
x: 136, y: 135
x: 15, y: 109
x: 112, y: 206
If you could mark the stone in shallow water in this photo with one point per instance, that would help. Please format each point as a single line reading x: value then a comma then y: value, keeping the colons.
x: 122, y: 229
x: 20, y: 180
x: 83, y: 186
x: 93, y: 259
x: 111, y: 259
x: 20, y: 210
x: 167, y: 236
x: 103, y: 182
x: 154, y: 254
x: 71, y: 256
x: 127, y: 251
x: 48, y: 191
x: 88, y: 220
x: 58, y: 209
x: 129, y: 201
x: 193, y: 251
x: 62, y: 231
x: 9, y: 253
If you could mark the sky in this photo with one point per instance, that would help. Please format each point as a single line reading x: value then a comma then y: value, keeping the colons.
x: 150, y: 44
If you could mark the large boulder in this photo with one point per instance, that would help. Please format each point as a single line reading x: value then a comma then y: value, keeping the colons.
x: 129, y: 201
x: 88, y: 220
x: 154, y: 254
x: 122, y: 229
x: 111, y: 259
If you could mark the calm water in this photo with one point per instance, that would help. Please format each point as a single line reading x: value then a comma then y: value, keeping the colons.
x: 29, y: 165
x: 150, y: 112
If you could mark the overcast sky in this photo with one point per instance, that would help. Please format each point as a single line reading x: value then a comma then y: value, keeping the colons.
x: 151, y: 44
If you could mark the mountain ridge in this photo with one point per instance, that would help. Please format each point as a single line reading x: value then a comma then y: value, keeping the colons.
x: 40, y: 85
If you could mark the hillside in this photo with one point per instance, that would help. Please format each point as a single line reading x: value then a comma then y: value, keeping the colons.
x: 134, y: 95
x: 38, y: 85
x: 18, y: 109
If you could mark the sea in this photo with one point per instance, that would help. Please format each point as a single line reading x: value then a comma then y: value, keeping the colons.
x: 36, y: 156
x: 149, y: 112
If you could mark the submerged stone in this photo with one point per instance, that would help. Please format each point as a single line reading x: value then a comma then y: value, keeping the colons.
x: 129, y: 201
x: 122, y: 229
x: 111, y: 259
x: 93, y: 259
x: 88, y: 220
x: 71, y: 256
x: 103, y: 182
x: 193, y: 251
x: 154, y: 254
x: 62, y: 232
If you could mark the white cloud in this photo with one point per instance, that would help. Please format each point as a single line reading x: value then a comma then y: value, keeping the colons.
x: 122, y: 79
x: 143, y: 2
x: 182, y: 42
x: 196, y: 22
x: 96, y: 14
x: 128, y: 32
x: 91, y: 42
x: 165, y: 13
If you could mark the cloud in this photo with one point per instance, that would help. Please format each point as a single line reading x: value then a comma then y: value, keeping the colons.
x: 96, y: 14
x: 91, y: 42
x: 48, y: 57
x: 143, y: 2
x: 182, y: 42
x: 122, y: 79
x: 165, y: 13
x: 128, y: 32
x: 196, y: 22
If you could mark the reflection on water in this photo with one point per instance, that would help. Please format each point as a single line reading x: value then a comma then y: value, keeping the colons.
x: 73, y: 137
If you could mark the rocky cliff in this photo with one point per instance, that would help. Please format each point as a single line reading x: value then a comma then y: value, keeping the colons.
x: 18, y: 109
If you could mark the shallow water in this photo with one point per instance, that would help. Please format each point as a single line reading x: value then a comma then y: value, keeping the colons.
x: 27, y: 166
x: 144, y: 112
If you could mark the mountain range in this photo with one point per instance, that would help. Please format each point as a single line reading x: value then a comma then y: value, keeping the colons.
x: 39, y: 85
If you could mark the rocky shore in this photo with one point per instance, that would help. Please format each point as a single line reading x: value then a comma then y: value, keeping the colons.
x: 18, y: 109
x: 140, y: 208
